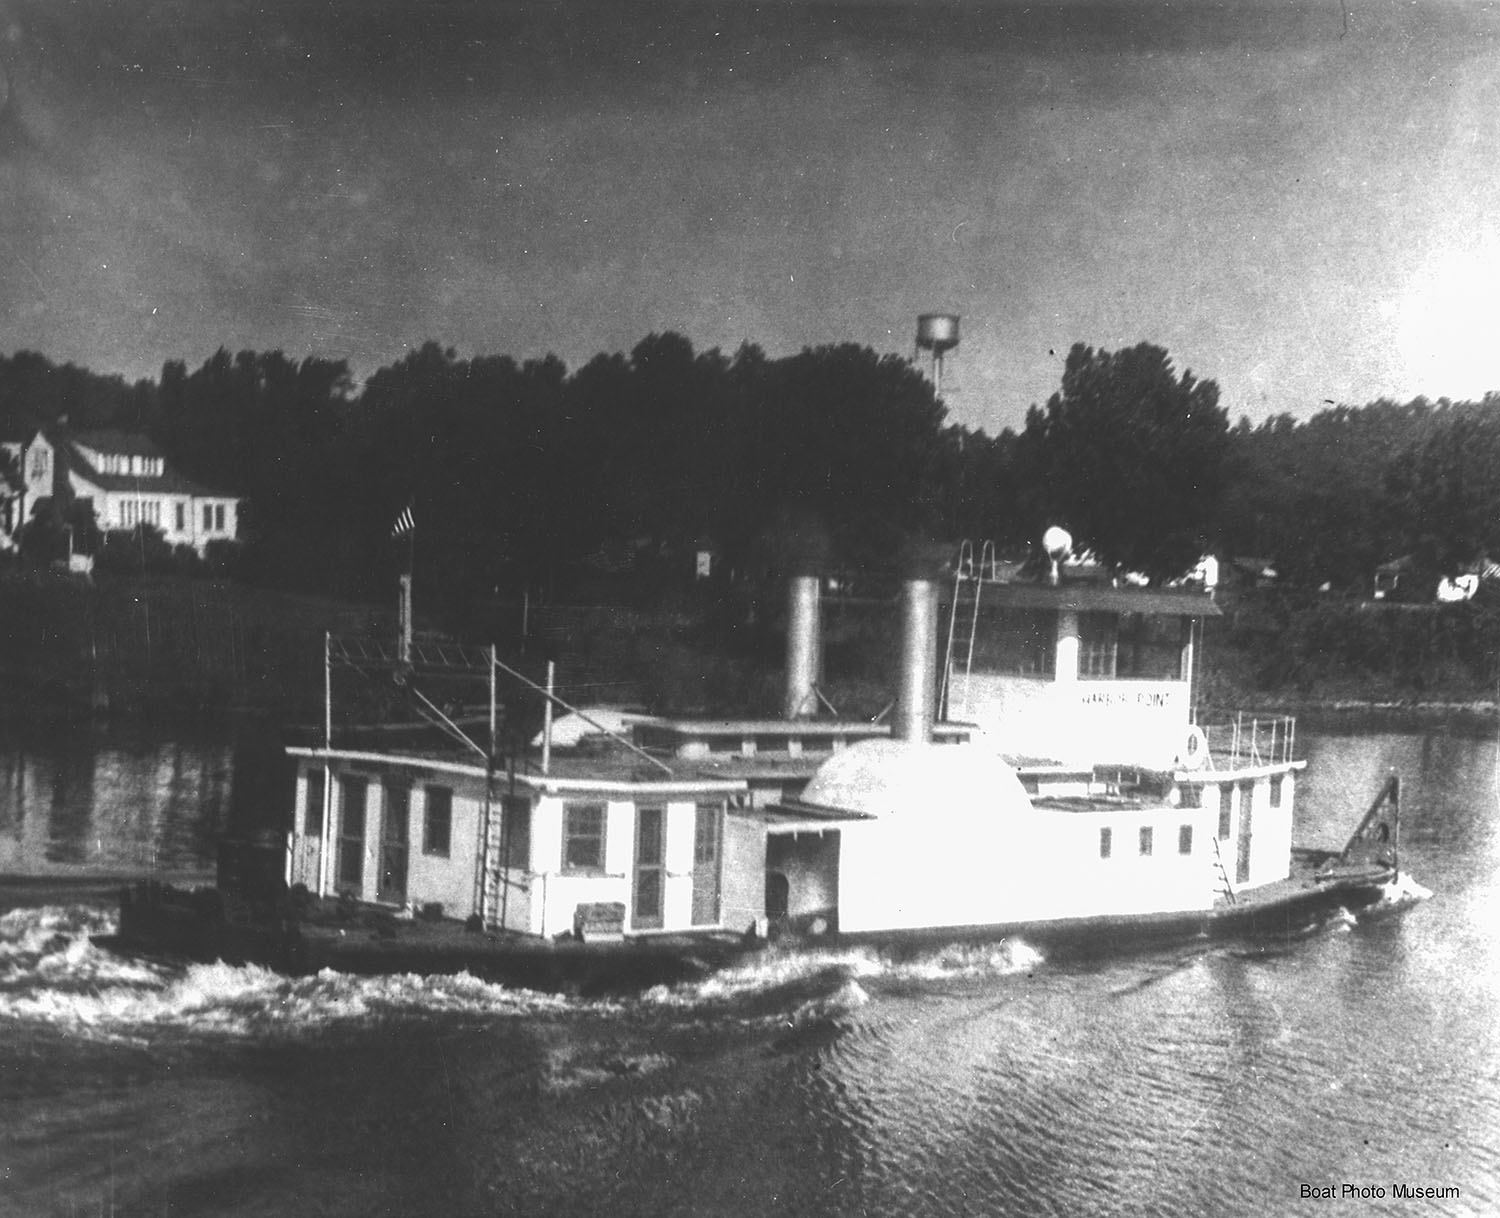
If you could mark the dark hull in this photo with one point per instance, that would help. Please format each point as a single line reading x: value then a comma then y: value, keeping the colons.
x: 1278, y: 912
x: 169, y: 923
x: 165, y: 922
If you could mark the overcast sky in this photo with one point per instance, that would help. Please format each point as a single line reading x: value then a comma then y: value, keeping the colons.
x: 1298, y: 200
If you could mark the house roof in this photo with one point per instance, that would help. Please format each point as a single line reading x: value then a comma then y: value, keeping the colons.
x: 18, y: 429
x: 167, y: 483
x: 117, y: 442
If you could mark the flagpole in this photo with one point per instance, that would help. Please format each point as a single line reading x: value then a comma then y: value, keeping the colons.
x: 406, y: 522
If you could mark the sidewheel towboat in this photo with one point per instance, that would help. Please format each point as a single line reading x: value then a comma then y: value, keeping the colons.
x: 1043, y: 777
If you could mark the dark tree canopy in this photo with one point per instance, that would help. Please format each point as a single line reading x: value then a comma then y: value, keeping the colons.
x: 1130, y: 457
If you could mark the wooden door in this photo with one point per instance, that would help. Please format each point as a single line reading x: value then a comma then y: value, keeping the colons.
x: 650, y: 873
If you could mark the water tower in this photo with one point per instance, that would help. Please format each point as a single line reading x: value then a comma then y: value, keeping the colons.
x: 938, y: 333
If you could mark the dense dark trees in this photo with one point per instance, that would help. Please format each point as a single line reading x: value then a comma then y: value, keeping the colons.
x: 521, y: 472
x: 1129, y: 456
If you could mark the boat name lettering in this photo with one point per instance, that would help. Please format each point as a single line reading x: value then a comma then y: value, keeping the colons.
x: 1144, y: 697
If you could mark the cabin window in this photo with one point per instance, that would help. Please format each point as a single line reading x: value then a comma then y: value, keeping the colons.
x: 1276, y: 784
x: 1106, y: 842
x: 1098, y: 642
x: 583, y: 837
x: 1150, y: 647
x: 1190, y: 795
x: 1146, y: 839
x: 1185, y: 839
x: 1016, y: 642
x: 516, y: 832
x: 1226, y: 809
x: 41, y: 463
x: 437, y: 821
x: 312, y: 814
x: 208, y: 518
x: 354, y: 790
x: 181, y: 517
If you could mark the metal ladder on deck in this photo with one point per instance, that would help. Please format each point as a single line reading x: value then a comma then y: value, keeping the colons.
x: 961, y: 639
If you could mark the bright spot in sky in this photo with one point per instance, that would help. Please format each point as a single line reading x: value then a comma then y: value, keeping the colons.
x: 1449, y: 324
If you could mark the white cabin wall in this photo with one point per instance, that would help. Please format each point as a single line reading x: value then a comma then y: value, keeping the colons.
x: 1132, y: 722
x: 1039, y: 867
x: 448, y: 879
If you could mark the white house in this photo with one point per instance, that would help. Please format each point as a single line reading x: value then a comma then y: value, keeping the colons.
x: 126, y: 478
x: 35, y: 461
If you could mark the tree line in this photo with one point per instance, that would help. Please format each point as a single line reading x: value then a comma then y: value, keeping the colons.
x: 520, y: 471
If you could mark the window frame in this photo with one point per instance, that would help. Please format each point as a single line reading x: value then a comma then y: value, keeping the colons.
x: 436, y: 796
x: 574, y: 832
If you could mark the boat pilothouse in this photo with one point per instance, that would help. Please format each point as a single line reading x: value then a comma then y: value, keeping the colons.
x: 1086, y: 686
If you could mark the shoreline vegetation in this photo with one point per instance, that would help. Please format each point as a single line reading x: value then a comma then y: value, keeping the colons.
x: 170, y: 649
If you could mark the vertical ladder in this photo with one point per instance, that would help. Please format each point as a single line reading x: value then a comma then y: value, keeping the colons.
x: 962, y: 569
x: 1224, y: 885
x: 962, y: 640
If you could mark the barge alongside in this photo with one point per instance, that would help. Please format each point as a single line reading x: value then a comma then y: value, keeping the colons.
x: 1043, y: 777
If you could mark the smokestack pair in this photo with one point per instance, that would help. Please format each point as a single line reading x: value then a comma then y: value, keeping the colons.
x: 916, y: 699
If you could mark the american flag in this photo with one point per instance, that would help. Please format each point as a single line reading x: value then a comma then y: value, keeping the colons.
x: 405, y: 522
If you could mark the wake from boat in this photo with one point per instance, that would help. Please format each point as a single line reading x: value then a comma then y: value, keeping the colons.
x: 53, y: 973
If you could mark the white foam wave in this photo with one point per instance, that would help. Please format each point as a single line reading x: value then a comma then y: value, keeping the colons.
x: 1403, y: 891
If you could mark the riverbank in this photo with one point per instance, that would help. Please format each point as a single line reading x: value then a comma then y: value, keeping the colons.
x: 171, y: 649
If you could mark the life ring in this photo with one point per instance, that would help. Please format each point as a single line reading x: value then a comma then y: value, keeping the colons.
x: 1194, y: 749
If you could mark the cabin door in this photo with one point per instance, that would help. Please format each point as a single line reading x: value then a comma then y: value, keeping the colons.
x: 650, y: 855
x: 353, y: 788
x: 1242, y: 846
x: 394, y: 838
x: 707, y: 837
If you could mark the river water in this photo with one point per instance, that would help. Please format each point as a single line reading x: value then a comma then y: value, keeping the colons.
x: 1234, y: 1079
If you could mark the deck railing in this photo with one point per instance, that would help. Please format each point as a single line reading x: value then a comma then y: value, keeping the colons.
x: 1250, y: 740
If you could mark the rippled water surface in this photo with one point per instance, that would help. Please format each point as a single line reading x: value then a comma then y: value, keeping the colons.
x: 984, y: 1081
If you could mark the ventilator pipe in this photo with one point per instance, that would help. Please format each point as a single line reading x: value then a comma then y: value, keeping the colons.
x: 804, y: 648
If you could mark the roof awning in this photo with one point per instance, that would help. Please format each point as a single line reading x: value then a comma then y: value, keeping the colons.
x: 1099, y: 598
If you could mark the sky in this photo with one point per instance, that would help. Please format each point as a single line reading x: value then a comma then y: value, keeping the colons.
x: 1298, y: 200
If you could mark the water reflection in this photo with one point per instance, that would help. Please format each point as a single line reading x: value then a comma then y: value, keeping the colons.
x: 95, y: 801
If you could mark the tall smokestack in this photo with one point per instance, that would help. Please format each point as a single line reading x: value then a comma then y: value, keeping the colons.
x: 916, y: 699
x: 803, y: 647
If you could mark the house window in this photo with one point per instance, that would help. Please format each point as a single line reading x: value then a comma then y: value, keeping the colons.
x: 151, y: 512
x: 1276, y: 785
x: 1106, y: 842
x: 208, y: 518
x: 1098, y: 642
x: 583, y: 837
x: 181, y: 517
x: 312, y: 815
x: 437, y: 822
x: 1185, y: 839
x: 1224, y: 813
x: 1145, y: 839
x: 355, y: 789
x: 41, y: 463
x: 1190, y: 795
x: 218, y: 518
x: 130, y: 513
x: 516, y: 832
